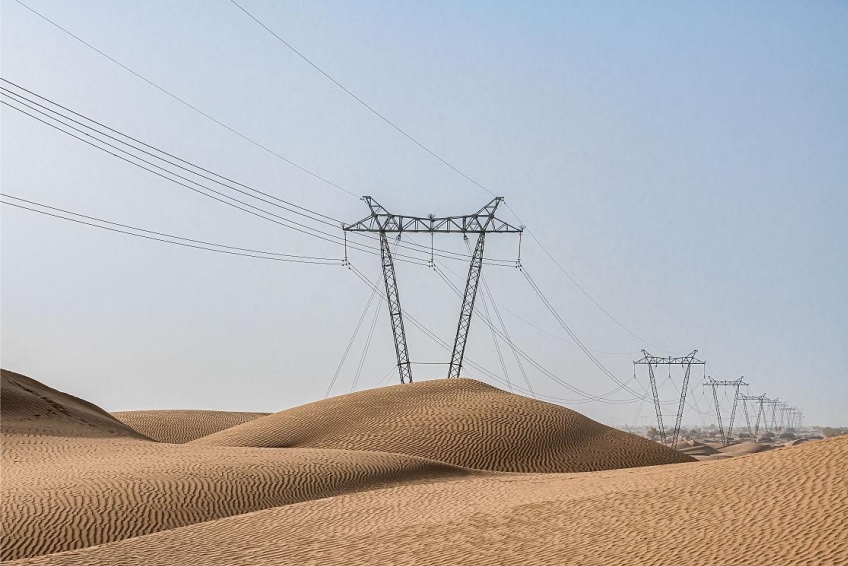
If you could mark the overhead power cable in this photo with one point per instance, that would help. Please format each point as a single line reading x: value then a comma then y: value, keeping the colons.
x: 542, y: 330
x: 485, y: 303
x: 164, y: 164
x: 367, y: 345
x: 350, y: 342
x: 360, y: 101
x: 191, y: 166
x: 205, y: 190
x: 574, y: 337
x: 441, y: 159
x: 188, y: 104
x: 604, y: 398
x: 280, y: 220
x: 94, y: 222
x: 588, y: 398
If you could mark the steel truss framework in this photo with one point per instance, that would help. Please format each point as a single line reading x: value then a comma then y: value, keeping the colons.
x: 760, y: 399
x: 787, y: 417
x: 736, y: 384
x: 774, y: 404
x: 383, y: 222
x: 686, y: 362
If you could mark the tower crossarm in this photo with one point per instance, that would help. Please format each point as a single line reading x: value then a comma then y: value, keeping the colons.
x: 659, y: 360
x: 482, y: 221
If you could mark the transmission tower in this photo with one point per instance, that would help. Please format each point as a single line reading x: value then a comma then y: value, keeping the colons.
x: 773, y: 403
x: 760, y: 399
x: 736, y: 384
x: 383, y: 222
x: 652, y: 362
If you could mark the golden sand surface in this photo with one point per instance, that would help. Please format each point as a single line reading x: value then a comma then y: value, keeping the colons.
x: 181, y: 426
x: 29, y: 408
x: 457, y: 421
x: 75, y: 479
x: 782, y: 507
x: 73, y: 476
x: 747, y: 447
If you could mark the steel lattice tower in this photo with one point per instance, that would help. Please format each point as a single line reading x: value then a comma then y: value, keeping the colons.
x: 736, y: 384
x: 686, y: 362
x: 760, y: 399
x: 383, y: 222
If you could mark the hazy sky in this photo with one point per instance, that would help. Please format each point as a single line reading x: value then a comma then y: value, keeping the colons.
x: 686, y: 163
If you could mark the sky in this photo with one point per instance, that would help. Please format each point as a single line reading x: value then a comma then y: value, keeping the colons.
x: 685, y: 164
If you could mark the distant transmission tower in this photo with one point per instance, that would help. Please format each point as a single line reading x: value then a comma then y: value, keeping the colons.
x: 760, y: 399
x: 383, y: 222
x: 736, y: 384
x: 652, y: 362
x: 787, y: 417
x: 773, y: 403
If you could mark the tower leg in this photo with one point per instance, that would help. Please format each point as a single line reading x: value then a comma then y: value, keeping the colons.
x: 657, y: 405
x: 718, y: 416
x: 467, y: 307
x: 682, y: 400
x: 747, y: 417
x: 732, y: 417
x: 395, y: 314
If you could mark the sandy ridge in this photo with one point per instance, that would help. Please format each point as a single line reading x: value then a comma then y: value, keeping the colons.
x: 459, y: 421
x: 73, y: 476
x: 181, y: 426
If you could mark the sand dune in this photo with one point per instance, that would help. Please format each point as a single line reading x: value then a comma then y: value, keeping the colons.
x: 179, y: 427
x: 73, y: 476
x: 744, y: 448
x: 778, y: 507
x: 28, y: 407
x: 78, y: 483
x: 695, y: 448
x: 458, y: 421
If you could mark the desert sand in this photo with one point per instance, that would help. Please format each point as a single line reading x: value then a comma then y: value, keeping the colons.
x: 74, y: 476
x: 77, y: 480
x: 179, y: 427
x: 459, y: 421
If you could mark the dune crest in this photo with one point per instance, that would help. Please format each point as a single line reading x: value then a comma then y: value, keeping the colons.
x: 458, y: 421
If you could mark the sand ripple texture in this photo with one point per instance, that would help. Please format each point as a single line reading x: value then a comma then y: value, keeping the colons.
x: 782, y: 507
x: 73, y: 476
x: 30, y: 408
x: 179, y: 427
x: 458, y: 421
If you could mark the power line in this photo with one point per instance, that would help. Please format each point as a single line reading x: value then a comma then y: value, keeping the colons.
x: 574, y: 337
x: 255, y: 211
x: 505, y: 337
x: 582, y: 290
x: 350, y: 342
x: 57, y: 116
x: 186, y: 103
x: 175, y: 240
x: 367, y: 345
x: 588, y: 398
x: 334, y: 221
x: 542, y: 330
x: 359, y: 100
x: 440, y: 159
x: 293, y: 163
x: 93, y: 218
